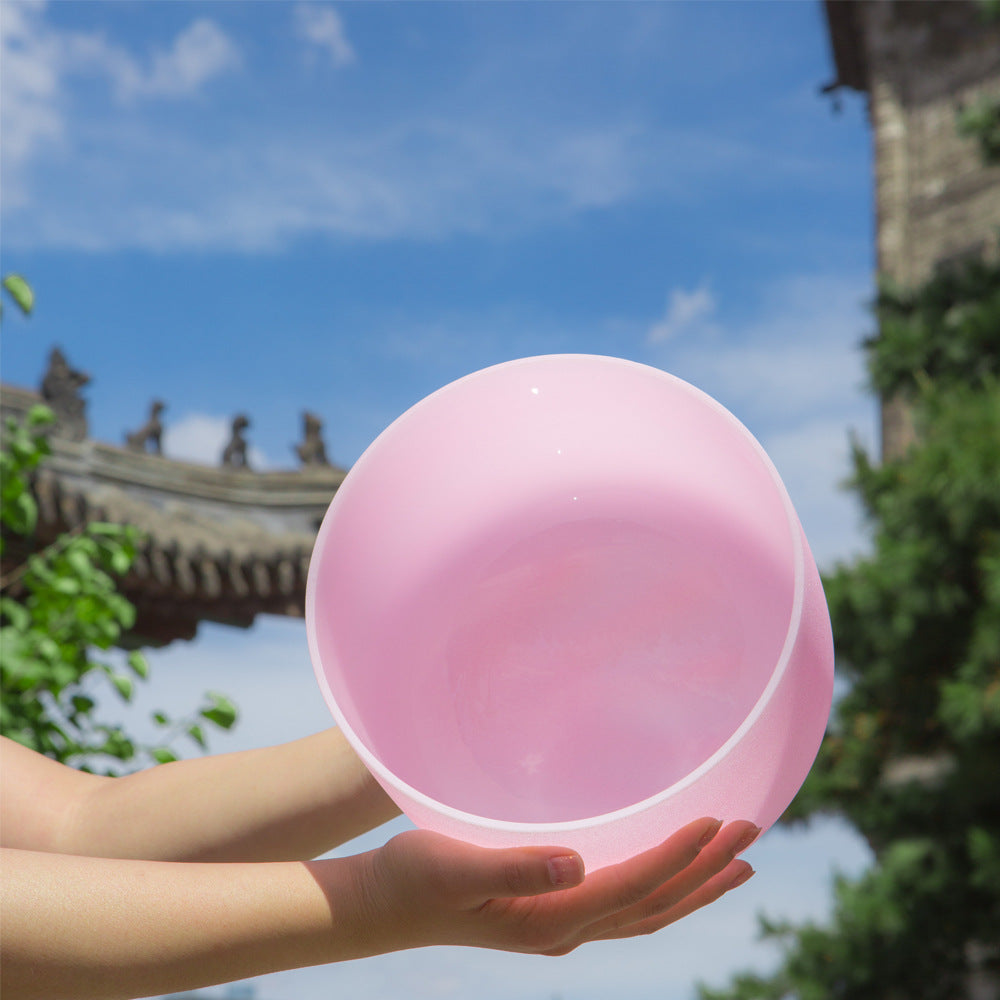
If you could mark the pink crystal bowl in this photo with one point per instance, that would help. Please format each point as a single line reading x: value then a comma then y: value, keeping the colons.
x: 566, y: 600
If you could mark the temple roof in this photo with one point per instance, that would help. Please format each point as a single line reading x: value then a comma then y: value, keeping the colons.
x: 221, y: 544
x: 842, y: 18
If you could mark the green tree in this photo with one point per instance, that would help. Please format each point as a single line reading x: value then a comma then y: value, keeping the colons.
x: 912, y: 756
x: 981, y: 120
x: 61, y: 615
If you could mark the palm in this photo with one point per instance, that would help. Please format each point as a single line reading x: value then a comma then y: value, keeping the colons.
x: 506, y: 899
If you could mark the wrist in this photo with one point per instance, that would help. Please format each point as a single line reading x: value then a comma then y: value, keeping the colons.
x: 363, y: 918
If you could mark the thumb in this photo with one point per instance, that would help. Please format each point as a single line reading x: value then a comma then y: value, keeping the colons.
x: 518, y: 871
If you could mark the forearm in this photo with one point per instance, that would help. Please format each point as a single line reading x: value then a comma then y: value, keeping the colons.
x: 283, y: 803
x: 78, y: 927
x: 108, y: 929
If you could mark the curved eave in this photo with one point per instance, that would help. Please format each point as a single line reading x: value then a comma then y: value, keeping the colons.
x: 218, y: 544
x: 847, y: 44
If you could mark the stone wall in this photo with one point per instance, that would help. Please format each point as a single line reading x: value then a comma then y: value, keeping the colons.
x: 935, y: 200
x: 921, y: 62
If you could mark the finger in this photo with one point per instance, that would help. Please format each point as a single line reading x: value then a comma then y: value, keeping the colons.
x: 463, y: 876
x: 730, y: 842
x: 479, y: 874
x: 712, y: 860
x: 731, y: 877
x: 618, y: 887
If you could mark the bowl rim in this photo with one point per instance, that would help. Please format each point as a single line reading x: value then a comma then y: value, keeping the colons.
x: 459, y: 816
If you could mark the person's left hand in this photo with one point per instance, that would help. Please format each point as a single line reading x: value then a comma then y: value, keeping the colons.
x: 422, y: 888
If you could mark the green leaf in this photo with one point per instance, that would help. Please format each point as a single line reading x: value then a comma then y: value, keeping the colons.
x: 67, y: 585
x: 198, y: 735
x: 117, y: 744
x: 24, y: 450
x: 162, y: 755
x: 123, y: 684
x: 82, y: 704
x: 39, y: 416
x: 222, y: 712
x: 20, y: 291
x: 21, y: 515
x: 120, y: 561
x: 48, y: 649
x: 77, y: 560
x: 161, y: 718
x: 17, y: 614
x: 139, y: 664
x: 126, y: 614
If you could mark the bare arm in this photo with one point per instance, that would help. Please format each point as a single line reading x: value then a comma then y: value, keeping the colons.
x: 290, y: 802
x: 80, y: 928
x: 105, y: 929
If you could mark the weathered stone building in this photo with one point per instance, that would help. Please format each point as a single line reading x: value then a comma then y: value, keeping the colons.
x: 921, y: 62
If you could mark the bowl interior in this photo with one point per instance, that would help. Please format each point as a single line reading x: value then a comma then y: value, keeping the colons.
x: 552, y: 589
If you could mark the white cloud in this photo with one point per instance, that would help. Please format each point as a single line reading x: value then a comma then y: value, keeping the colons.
x: 202, y: 437
x: 150, y: 189
x: 198, y: 54
x: 798, y: 353
x: 39, y: 63
x: 813, y: 460
x: 686, y: 312
x: 29, y: 115
x: 140, y: 181
x: 794, y: 374
x: 323, y: 27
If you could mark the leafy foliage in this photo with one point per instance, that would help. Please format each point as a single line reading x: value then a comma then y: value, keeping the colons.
x: 946, y: 331
x: 912, y: 755
x: 981, y: 121
x: 61, y: 615
x: 68, y: 611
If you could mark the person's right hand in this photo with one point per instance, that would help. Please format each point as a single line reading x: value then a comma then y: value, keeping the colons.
x: 422, y: 888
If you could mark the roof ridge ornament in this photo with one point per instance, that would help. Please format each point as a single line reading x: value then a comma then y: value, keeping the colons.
x: 149, y: 437
x: 60, y: 388
x: 234, y: 456
x: 311, y: 450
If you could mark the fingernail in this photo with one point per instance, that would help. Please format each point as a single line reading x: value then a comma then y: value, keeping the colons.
x: 709, y: 835
x: 744, y: 876
x: 746, y: 840
x: 565, y: 869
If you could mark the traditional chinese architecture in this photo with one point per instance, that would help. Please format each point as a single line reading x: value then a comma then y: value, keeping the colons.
x: 221, y: 544
x: 920, y: 63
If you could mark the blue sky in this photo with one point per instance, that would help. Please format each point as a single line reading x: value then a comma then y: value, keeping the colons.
x: 271, y: 207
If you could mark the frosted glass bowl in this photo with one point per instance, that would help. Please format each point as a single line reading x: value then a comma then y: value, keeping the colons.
x: 566, y: 600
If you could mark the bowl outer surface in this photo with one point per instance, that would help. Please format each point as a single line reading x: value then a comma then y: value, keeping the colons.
x: 753, y: 774
x: 755, y: 779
